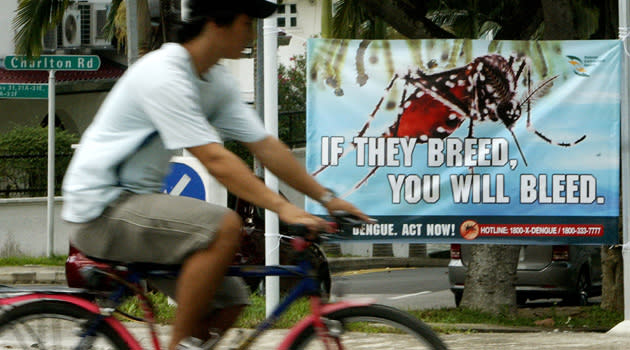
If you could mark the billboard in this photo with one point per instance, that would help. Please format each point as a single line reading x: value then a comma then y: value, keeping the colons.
x: 475, y: 141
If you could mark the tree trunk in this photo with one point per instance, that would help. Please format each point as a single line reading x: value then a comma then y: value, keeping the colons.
x: 490, y: 279
x: 612, y: 279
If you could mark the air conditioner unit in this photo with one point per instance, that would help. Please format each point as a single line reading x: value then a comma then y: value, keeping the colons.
x: 93, y: 20
x: 70, y: 28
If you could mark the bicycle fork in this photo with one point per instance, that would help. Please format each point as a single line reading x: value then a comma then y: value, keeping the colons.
x: 329, y: 331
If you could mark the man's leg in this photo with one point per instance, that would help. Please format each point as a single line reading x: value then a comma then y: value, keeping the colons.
x: 200, y: 276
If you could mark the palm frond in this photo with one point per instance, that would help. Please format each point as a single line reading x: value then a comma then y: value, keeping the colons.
x: 110, y: 26
x: 349, y: 19
x: 32, y: 20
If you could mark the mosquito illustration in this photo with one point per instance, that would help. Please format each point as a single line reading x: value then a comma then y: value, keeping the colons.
x: 435, y: 105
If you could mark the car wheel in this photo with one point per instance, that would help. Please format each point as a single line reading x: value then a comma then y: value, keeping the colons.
x: 582, y: 288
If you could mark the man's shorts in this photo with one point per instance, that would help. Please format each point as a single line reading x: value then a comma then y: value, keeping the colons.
x: 157, y: 228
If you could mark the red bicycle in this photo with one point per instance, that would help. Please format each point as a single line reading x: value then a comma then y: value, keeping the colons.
x: 84, y: 318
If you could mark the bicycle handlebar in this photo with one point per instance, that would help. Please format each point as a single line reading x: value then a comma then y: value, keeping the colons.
x: 341, y: 220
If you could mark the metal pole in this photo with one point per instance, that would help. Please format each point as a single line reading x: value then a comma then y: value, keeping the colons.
x: 50, y: 225
x: 259, y: 91
x: 132, y: 31
x: 272, y: 241
x: 624, y: 21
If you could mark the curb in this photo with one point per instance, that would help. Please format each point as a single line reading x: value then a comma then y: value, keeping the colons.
x: 490, y: 328
x: 351, y: 264
x: 34, y: 274
x: 484, y: 328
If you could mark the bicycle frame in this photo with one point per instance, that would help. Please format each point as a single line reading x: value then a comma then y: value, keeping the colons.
x: 308, y: 286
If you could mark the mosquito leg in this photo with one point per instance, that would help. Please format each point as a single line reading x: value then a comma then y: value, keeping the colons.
x: 540, y: 90
x: 361, y: 182
x: 365, y: 127
x: 362, y: 77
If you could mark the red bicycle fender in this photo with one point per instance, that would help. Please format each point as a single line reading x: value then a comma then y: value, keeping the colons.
x: 307, y: 321
x: 87, y: 305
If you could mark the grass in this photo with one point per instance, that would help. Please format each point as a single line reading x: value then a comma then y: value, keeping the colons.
x: 554, y: 317
x: 55, y: 260
x: 164, y: 311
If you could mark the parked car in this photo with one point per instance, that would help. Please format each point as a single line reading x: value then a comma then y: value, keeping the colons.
x: 572, y: 273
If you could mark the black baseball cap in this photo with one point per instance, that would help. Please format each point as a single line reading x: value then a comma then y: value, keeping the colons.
x: 253, y: 8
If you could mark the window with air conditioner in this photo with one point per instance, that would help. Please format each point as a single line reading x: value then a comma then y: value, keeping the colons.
x: 83, y: 26
x: 69, y: 29
x: 95, y: 24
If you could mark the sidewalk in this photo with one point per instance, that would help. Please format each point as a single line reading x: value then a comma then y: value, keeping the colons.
x: 32, y: 274
x: 507, y: 340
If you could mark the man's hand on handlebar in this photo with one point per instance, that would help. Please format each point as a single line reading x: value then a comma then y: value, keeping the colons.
x: 343, y: 214
x: 295, y: 216
x: 338, y: 205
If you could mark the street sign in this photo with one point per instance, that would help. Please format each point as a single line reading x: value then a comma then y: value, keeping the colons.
x: 189, y: 178
x: 184, y: 181
x: 53, y: 62
x: 23, y: 90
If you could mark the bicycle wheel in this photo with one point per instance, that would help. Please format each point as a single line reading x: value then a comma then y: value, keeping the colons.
x: 372, y: 327
x: 52, y: 324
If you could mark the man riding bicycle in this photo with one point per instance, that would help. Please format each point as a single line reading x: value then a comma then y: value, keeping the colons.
x: 179, y: 97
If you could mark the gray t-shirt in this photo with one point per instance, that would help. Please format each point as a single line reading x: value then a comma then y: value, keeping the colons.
x: 158, y: 106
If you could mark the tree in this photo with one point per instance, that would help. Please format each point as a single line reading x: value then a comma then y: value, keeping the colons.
x: 25, y: 166
x: 34, y: 18
x: 292, y: 100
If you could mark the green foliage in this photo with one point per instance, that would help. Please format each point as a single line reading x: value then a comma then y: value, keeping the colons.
x: 564, y: 318
x: 292, y: 85
x: 255, y: 313
x: 164, y: 311
x: 33, y: 19
x: 352, y: 21
x: 292, y: 101
x: 24, y: 165
x: 55, y: 260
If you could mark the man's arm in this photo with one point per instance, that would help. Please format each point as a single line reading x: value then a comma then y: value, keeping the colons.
x: 277, y: 157
x: 236, y: 176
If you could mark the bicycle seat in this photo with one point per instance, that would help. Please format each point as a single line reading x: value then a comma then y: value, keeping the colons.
x: 79, y: 263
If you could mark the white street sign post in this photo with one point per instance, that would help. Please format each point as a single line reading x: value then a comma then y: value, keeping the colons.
x: 51, y: 63
x: 272, y: 240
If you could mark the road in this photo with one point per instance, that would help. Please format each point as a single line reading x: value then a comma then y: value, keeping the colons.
x: 414, y: 288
